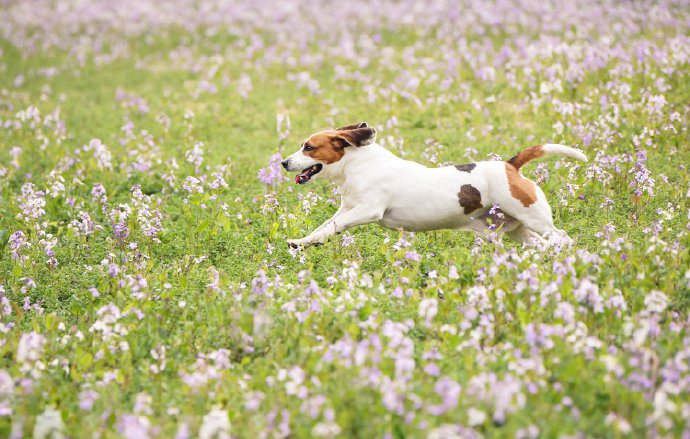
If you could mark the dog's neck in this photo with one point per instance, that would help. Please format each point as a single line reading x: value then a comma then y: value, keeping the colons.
x: 340, y: 171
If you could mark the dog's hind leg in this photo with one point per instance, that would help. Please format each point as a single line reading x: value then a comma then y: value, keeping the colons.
x: 536, y: 220
x: 523, y: 235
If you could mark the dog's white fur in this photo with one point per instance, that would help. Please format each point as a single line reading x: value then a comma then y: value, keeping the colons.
x: 378, y: 187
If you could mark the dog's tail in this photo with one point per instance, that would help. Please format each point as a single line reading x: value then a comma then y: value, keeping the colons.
x: 546, y: 149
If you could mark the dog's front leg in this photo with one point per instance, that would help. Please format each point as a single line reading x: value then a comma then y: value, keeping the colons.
x: 340, y: 210
x: 304, y: 241
x: 361, y: 214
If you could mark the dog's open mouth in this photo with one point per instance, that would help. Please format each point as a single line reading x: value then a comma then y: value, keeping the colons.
x: 308, y: 173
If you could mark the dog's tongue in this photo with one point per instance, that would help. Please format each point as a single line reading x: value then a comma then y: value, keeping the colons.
x: 302, y: 178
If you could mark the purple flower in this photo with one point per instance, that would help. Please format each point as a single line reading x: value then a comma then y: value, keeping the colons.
x: 588, y: 292
x: 17, y: 242
x: 121, y: 231
x: 449, y: 391
x: 260, y: 283
x: 272, y: 174
x: 218, y: 182
x: 134, y: 426
x: 192, y: 184
x: 432, y: 369
x: 31, y: 203
x: 348, y: 240
x: 413, y: 256
x: 87, y: 398
x: 642, y: 179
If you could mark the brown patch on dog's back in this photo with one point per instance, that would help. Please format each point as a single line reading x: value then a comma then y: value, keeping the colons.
x: 470, y: 198
x: 521, y: 188
x: 526, y: 155
x: 467, y: 167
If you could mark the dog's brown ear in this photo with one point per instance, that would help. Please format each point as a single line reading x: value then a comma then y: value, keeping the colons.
x: 354, y: 126
x: 357, y: 137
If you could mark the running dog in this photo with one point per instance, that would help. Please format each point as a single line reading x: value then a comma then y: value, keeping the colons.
x: 378, y: 187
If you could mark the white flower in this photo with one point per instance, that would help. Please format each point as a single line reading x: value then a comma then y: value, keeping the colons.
x: 475, y: 417
x: 215, y: 424
x: 100, y: 153
x: 6, y: 391
x: 30, y: 347
x: 655, y: 301
x: 428, y: 308
x: 6, y: 384
x: 195, y: 155
x: 619, y: 423
x: 49, y: 424
x: 326, y: 429
x: 56, y: 183
x: 545, y: 88
x: 450, y: 431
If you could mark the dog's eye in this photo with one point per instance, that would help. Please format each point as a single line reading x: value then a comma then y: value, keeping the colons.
x: 309, y: 148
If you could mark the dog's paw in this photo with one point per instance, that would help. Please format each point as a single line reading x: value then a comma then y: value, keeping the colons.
x: 296, y: 243
x: 307, y: 241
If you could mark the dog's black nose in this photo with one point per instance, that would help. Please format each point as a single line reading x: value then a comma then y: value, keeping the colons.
x: 285, y: 164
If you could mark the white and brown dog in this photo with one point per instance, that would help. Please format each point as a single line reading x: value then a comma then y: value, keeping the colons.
x: 378, y: 187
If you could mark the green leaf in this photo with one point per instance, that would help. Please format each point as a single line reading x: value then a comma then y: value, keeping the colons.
x: 202, y: 226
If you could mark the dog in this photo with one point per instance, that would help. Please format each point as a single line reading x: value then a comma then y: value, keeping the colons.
x: 377, y: 186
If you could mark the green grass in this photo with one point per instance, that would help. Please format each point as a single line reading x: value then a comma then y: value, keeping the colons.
x: 565, y: 387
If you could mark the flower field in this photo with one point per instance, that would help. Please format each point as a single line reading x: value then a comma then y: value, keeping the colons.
x: 146, y: 287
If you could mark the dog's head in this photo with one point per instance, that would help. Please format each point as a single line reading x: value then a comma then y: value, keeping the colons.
x: 327, y: 148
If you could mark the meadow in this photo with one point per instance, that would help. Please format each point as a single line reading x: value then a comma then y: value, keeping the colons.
x: 146, y: 287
